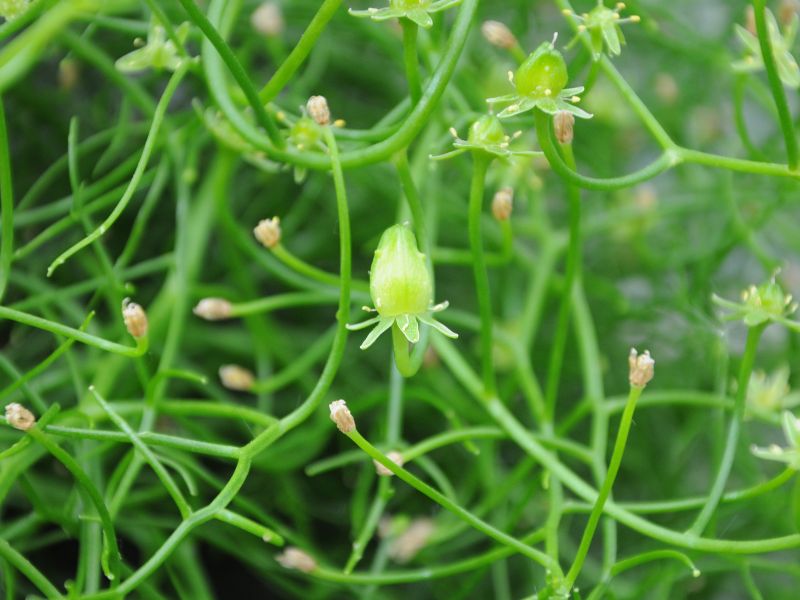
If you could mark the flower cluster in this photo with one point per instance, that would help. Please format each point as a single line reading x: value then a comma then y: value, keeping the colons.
x: 485, y: 135
x: 768, y: 394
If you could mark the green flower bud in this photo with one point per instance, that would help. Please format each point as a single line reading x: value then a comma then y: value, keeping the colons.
x: 400, y: 282
x: 486, y: 131
x: 544, y: 73
x: 305, y: 134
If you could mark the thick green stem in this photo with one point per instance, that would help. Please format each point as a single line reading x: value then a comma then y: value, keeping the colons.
x: 410, y: 30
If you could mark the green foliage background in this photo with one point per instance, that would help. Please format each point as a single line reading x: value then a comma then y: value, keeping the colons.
x: 655, y: 247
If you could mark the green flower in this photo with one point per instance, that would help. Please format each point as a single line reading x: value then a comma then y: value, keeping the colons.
x: 603, y: 27
x: 11, y: 9
x: 401, y: 287
x: 487, y: 135
x: 761, y: 304
x: 788, y: 71
x: 767, y: 394
x: 158, y: 53
x: 540, y: 83
x: 789, y: 455
x: 418, y: 11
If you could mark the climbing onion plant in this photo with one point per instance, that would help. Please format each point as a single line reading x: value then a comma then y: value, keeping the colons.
x: 196, y: 199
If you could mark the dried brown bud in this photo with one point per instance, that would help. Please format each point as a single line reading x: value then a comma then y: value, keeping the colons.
x: 268, y: 232
x: 294, y: 558
x: 503, y: 204
x: 641, y: 368
x: 68, y: 74
x: 340, y: 415
x: 393, y: 456
x: 788, y: 9
x: 497, y: 34
x: 412, y: 540
x: 317, y: 107
x: 213, y: 309
x: 666, y: 88
x: 563, y: 124
x: 236, y: 378
x: 267, y: 19
x: 135, y: 318
x: 19, y: 417
x: 750, y: 20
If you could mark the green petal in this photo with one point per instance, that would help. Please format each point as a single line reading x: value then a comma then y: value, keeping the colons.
x: 578, y: 112
x: 409, y: 327
x: 138, y: 60
x: 524, y: 105
x: 506, y: 98
x: 420, y: 17
x: 440, y: 327
x: 362, y: 324
x: 611, y: 37
x: 382, y: 326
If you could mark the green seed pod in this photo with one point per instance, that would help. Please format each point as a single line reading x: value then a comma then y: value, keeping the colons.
x: 486, y: 131
x: 399, y: 281
x: 544, y: 73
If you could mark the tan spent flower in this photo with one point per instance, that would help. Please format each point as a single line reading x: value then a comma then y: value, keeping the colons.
x: 563, y: 124
x: 641, y: 368
x: 135, y: 318
x: 498, y: 34
x: 503, y: 204
x: 294, y: 558
x: 236, y: 378
x: 317, y: 107
x: 267, y: 19
x: 19, y: 417
x: 393, y: 456
x: 340, y: 415
x: 268, y: 232
x: 213, y: 309
x: 412, y: 540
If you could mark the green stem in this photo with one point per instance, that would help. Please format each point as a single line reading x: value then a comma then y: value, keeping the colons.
x: 74, y: 334
x: 778, y: 94
x: 450, y: 505
x: 732, y: 439
x: 605, y: 490
x: 479, y: 168
x: 410, y: 31
x: 215, y: 40
x: 304, y: 46
x: 26, y: 567
x: 402, y: 357
x: 6, y: 204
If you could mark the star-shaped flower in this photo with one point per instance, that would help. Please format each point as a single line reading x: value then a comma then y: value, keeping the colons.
x: 487, y: 135
x: 158, y: 53
x: 790, y: 454
x: 418, y: 11
x: 603, y: 27
x: 540, y: 82
x: 401, y: 287
x: 788, y: 71
x: 766, y: 302
x: 768, y: 394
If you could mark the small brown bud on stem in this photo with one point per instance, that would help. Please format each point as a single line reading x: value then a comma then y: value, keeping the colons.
x: 268, y: 232
x: 563, y: 124
x: 317, y: 107
x: 213, y: 309
x: 267, y: 19
x: 236, y: 378
x: 503, y: 204
x: 135, y: 318
x: 294, y: 558
x: 19, y: 417
x: 395, y: 457
x: 340, y: 415
x: 641, y: 368
x: 498, y: 34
